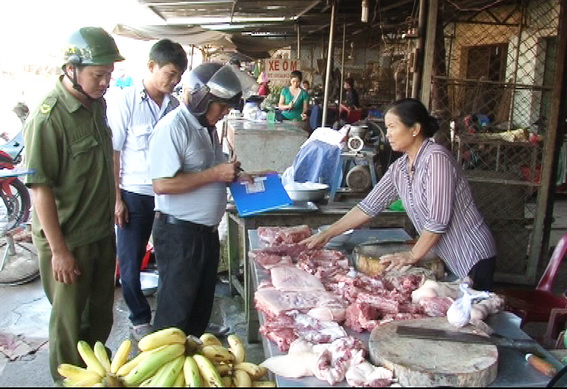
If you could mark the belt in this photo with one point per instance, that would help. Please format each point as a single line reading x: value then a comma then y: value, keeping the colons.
x: 164, y: 217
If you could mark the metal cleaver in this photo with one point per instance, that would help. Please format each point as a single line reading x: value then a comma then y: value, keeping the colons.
x: 454, y: 336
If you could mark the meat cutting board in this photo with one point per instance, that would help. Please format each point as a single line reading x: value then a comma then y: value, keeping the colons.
x: 424, y: 362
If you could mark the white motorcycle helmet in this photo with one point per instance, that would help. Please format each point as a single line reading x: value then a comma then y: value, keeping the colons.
x: 210, y: 82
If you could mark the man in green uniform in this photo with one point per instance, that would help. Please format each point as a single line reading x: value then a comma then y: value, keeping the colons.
x: 68, y: 145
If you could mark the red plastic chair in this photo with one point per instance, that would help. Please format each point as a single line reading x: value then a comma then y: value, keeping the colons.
x: 145, y: 260
x: 536, y: 305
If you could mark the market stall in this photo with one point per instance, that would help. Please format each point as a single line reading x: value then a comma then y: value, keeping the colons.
x: 510, y: 367
x: 314, y: 215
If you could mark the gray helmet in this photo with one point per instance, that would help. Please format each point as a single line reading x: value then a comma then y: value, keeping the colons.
x: 91, y: 46
x: 210, y: 82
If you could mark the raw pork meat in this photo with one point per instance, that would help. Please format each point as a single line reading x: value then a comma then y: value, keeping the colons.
x: 362, y: 373
x: 293, y: 279
x: 274, y: 236
x: 290, y: 326
x: 291, y: 250
x: 435, y: 306
x: 361, y: 316
x: 272, y: 302
x: 268, y: 261
x: 333, y: 363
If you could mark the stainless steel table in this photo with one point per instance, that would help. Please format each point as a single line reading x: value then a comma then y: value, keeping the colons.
x: 300, y: 213
x: 257, y: 274
x: 513, y: 370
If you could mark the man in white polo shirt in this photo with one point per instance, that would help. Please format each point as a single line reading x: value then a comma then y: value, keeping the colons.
x: 132, y: 115
x: 190, y: 174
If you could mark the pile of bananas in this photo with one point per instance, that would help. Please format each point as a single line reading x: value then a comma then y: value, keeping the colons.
x: 168, y: 358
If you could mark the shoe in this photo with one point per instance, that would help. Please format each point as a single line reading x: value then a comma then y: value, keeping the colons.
x: 138, y: 332
x: 217, y: 329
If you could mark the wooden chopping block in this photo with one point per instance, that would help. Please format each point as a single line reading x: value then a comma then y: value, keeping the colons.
x: 424, y: 362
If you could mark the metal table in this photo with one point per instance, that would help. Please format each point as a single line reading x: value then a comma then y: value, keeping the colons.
x: 300, y: 213
x: 257, y: 274
x: 513, y: 369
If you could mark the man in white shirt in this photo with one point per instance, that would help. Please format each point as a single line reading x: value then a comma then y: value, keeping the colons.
x: 132, y: 115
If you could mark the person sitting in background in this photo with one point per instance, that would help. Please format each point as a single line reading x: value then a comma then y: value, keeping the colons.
x: 294, y: 101
x: 306, y: 86
x: 264, y: 89
x: 351, y: 95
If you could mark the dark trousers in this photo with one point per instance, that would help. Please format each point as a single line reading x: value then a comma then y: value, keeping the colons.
x: 187, y: 257
x: 132, y: 240
x: 482, y: 274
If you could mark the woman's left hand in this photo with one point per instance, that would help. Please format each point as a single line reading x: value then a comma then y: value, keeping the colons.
x: 397, y: 261
x: 303, y: 116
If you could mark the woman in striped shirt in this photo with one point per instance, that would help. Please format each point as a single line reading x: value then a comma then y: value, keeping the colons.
x: 436, y: 196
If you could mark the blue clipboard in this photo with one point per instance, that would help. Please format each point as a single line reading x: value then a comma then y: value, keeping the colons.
x: 265, y: 194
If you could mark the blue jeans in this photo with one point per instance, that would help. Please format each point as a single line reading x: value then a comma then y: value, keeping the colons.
x: 187, y: 257
x: 132, y: 240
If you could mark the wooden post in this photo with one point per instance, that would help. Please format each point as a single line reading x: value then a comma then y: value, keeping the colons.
x: 418, y: 58
x: 342, y: 67
x: 552, y: 147
x: 428, y: 54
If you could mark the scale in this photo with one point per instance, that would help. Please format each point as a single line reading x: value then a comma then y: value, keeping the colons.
x: 358, y: 171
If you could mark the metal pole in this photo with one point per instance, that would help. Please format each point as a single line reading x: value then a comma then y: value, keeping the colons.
x: 299, y: 42
x: 516, y: 65
x: 192, y: 53
x: 342, y: 68
x: 329, y: 62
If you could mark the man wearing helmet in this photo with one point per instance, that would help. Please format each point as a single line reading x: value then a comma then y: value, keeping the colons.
x: 189, y: 173
x: 69, y: 147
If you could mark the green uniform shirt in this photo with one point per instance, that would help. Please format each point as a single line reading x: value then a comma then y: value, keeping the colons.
x: 69, y: 147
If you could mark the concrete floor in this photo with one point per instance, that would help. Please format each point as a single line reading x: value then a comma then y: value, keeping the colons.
x: 24, y: 311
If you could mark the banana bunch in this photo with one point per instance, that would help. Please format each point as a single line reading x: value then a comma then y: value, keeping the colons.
x: 100, y: 370
x: 216, y: 365
x: 168, y: 358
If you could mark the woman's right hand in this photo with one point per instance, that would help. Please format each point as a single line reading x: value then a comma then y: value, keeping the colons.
x: 317, y: 241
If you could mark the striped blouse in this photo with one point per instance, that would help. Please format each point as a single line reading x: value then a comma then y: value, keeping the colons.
x: 437, y: 198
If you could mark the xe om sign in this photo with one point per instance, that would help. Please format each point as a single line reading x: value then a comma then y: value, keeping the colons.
x: 278, y: 70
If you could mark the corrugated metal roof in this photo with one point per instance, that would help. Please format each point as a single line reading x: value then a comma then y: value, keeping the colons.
x: 278, y: 23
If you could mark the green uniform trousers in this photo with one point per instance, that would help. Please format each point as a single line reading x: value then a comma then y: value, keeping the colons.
x: 81, y: 311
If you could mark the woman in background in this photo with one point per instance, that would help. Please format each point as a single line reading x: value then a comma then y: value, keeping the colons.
x: 294, y: 100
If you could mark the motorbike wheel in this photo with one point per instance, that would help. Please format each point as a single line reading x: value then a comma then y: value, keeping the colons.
x: 14, y: 209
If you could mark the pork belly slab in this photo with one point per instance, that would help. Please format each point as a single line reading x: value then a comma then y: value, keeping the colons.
x: 294, y: 279
x: 272, y: 301
x: 274, y: 236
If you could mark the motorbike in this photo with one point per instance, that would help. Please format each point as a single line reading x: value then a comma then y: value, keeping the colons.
x: 15, y: 201
x: 18, y: 257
